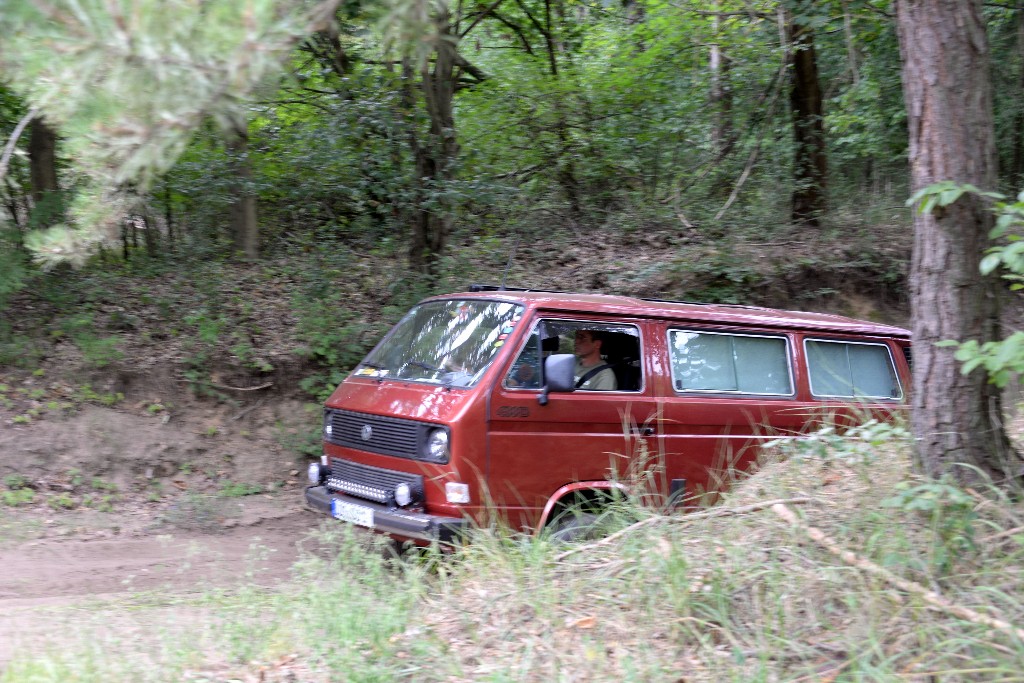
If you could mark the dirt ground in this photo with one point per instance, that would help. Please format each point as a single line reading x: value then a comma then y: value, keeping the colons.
x: 127, y: 503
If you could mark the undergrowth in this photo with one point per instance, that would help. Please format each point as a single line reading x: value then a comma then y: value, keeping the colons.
x: 833, y: 562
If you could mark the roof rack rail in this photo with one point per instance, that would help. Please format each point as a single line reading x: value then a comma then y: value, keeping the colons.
x: 479, y: 287
x: 697, y: 303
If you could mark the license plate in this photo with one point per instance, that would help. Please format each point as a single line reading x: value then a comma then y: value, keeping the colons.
x: 352, y: 513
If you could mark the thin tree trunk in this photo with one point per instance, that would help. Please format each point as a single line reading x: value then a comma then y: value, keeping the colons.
x: 722, y: 136
x: 436, y: 156
x: 1017, y: 170
x: 244, y: 225
x: 149, y: 236
x: 947, y: 89
x: 42, y: 156
x: 810, y: 172
x: 566, y: 172
x: 169, y: 217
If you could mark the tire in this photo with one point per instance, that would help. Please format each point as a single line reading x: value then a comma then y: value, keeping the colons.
x: 572, y: 527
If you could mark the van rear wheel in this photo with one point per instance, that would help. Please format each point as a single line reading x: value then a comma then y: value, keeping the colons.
x: 580, y: 526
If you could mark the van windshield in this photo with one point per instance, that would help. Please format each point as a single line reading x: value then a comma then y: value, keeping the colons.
x: 444, y: 342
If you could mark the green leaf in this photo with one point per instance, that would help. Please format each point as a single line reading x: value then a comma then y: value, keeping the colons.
x: 990, y: 263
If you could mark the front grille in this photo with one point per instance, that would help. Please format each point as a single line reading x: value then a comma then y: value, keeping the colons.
x: 376, y: 434
x: 371, y: 483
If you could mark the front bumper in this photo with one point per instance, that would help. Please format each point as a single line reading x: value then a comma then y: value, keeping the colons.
x: 415, y: 526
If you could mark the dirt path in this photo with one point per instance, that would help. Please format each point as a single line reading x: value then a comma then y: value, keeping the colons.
x: 39, y: 576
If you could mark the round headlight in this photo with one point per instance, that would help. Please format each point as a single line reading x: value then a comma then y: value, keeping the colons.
x: 403, y: 495
x: 314, y: 473
x: 437, y: 445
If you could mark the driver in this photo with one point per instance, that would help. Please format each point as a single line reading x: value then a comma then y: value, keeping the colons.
x: 592, y: 373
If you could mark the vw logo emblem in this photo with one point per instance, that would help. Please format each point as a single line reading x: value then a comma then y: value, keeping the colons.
x: 366, y: 433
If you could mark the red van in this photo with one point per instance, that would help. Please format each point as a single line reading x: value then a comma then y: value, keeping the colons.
x: 527, y: 403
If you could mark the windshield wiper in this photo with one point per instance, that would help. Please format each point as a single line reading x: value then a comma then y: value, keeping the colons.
x: 425, y: 366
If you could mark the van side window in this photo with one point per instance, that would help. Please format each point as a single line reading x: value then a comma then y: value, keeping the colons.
x: 733, y: 363
x: 619, y: 367
x: 851, y: 370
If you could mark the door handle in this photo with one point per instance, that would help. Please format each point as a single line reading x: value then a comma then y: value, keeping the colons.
x: 643, y: 431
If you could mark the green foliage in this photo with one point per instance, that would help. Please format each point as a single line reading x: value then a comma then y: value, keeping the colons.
x: 860, y: 444
x: 62, y: 501
x: 97, y: 351
x: 19, y: 491
x: 235, y: 489
x: 950, y: 515
x: 87, y: 394
x: 83, y: 65
x: 16, y: 481
x: 17, y: 497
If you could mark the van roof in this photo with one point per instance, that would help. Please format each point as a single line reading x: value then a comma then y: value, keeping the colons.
x: 753, y: 316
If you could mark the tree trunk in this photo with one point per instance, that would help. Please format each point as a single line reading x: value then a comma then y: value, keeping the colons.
x: 810, y: 165
x: 947, y: 90
x: 42, y: 156
x: 436, y: 156
x: 244, y: 226
x: 1017, y: 169
x: 722, y: 135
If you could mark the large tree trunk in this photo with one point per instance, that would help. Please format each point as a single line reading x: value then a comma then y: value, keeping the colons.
x: 810, y: 172
x: 244, y: 226
x: 947, y: 89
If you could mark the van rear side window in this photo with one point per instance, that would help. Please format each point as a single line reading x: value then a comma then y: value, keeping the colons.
x: 851, y: 370
x: 730, y: 363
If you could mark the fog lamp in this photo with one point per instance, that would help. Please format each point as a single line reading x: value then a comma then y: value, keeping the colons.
x: 315, y: 471
x: 403, y: 494
x: 455, y: 492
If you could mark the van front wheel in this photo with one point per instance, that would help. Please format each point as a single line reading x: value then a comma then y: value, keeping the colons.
x: 569, y: 528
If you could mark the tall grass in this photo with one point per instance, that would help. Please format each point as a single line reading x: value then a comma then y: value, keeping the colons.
x: 731, y: 593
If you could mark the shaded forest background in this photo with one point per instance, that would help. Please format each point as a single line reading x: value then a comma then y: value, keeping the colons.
x: 737, y: 152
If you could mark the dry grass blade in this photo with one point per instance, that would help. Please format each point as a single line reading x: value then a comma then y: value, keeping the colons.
x: 681, y: 519
x: 931, y: 597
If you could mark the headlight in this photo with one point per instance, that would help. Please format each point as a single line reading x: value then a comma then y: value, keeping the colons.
x: 403, y: 495
x: 437, y: 445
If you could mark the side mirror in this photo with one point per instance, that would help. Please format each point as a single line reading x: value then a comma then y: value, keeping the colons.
x: 559, y: 377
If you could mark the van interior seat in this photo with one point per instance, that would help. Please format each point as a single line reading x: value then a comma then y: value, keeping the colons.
x: 622, y: 352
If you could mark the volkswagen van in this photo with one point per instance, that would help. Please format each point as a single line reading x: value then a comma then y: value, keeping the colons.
x: 474, y: 405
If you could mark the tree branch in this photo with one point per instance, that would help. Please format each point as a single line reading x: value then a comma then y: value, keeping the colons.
x: 13, y: 142
x: 480, y: 17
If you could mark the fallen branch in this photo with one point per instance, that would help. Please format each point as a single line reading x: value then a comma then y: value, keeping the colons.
x: 931, y: 597
x: 680, y: 519
x: 248, y: 410
x: 224, y: 386
x: 1002, y: 534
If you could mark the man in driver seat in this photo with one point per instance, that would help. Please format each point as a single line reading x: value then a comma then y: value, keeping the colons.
x: 592, y: 373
